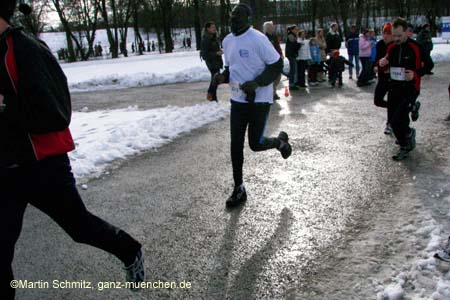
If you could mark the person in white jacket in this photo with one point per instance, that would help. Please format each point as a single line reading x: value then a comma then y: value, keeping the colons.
x: 304, y: 55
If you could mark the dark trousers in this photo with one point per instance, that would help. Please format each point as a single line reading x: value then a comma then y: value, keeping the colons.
x: 381, y: 90
x: 335, y: 75
x: 255, y: 117
x: 212, y: 89
x: 302, y: 65
x: 292, y: 71
x: 365, y: 75
x: 400, y: 100
x: 313, y: 69
x: 50, y: 186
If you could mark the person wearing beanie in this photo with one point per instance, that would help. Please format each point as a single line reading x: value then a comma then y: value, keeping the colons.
x: 7, y: 8
x: 35, y: 113
x: 336, y: 66
x: 383, y: 75
x: 251, y: 66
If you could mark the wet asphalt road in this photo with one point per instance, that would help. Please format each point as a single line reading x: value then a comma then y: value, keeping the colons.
x: 315, y: 226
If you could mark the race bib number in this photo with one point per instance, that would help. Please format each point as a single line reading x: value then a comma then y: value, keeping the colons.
x: 397, y: 73
x: 236, y: 92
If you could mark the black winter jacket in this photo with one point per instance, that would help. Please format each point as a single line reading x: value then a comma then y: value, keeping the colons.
x: 41, y: 104
x: 334, y: 41
x: 210, y: 47
x: 292, y: 46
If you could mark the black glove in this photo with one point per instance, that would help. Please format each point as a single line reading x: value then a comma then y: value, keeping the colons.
x: 218, y: 79
x: 249, y: 89
x: 249, y: 86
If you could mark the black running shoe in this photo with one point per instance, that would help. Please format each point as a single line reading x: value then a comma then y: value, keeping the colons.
x: 415, y: 111
x: 284, y: 148
x: 238, y: 197
x: 135, y: 273
x: 401, y: 155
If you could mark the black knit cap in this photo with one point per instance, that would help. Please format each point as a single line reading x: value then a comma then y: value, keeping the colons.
x: 245, y: 8
x: 7, y: 8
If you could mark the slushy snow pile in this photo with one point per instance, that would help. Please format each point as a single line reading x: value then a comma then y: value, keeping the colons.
x: 427, y: 277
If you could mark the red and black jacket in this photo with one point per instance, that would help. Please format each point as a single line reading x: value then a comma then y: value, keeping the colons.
x: 407, y: 55
x: 35, y: 119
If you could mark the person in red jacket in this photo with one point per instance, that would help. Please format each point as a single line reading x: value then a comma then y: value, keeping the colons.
x: 35, y: 112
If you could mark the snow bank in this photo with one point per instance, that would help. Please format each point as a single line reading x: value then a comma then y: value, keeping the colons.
x: 104, y: 136
x: 145, y: 70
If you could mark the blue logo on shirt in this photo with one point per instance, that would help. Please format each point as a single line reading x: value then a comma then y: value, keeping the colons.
x: 244, y: 53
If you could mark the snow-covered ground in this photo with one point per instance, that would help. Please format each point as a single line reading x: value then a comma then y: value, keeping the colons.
x: 155, y: 69
x: 104, y: 136
x: 424, y: 277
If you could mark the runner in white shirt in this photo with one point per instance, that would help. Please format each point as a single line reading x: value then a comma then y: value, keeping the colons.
x: 251, y: 66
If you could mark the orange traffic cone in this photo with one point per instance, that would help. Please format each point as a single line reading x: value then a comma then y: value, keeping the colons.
x: 286, y: 91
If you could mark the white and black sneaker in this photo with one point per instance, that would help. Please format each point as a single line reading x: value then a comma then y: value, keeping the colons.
x: 135, y: 273
x: 388, y: 129
x: 284, y: 148
x: 238, y: 197
x: 444, y: 254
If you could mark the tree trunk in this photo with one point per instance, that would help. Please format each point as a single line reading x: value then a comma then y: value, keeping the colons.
x: 197, y: 25
x: 68, y: 31
x: 112, y: 36
x: 137, y: 34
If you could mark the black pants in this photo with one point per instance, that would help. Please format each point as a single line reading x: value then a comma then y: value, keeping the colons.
x: 400, y: 99
x: 381, y: 90
x: 365, y: 74
x: 49, y: 186
x: 313, y: 69
x: 335, y: 75
x: 212, y: 89
x: 302, y: 66
x: 255, y: 117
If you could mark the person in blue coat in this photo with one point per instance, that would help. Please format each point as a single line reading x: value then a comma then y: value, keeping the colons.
x: 373, y: 56
x: 352, y: 44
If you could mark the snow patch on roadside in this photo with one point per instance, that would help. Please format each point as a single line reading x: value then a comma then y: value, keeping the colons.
x: 104, y: 136
x: 427, y: 277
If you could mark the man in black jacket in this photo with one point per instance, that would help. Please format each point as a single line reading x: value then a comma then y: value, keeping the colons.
x: 35, y: 112
x: 212, y: 54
